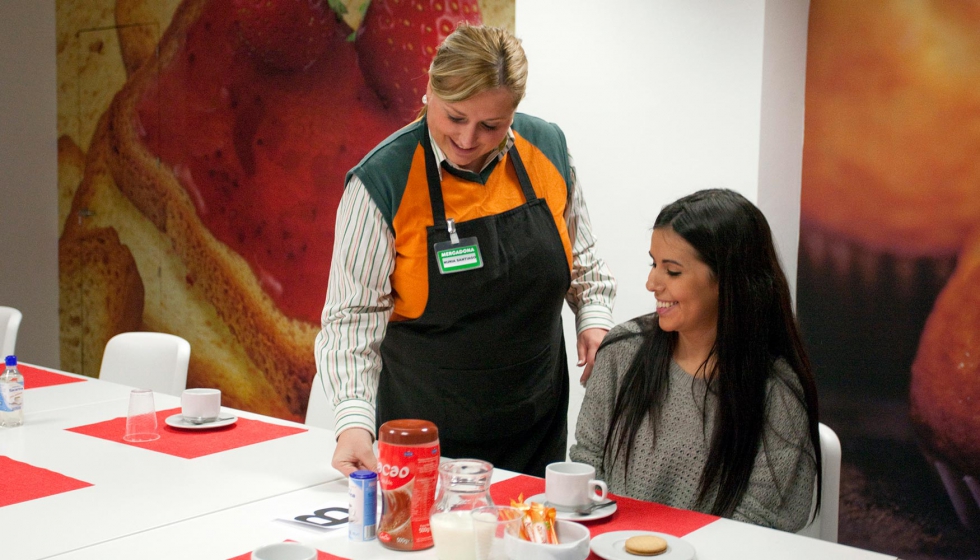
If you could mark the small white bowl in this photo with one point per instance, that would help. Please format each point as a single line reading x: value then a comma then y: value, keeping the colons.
x: 284, y: 551
x: 573, y: 544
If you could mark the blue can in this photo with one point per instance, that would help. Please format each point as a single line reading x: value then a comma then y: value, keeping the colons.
x: 362, y: 491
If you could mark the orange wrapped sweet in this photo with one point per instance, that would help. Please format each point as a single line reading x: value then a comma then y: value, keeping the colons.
x: 519, y: 504
x: 538, y: 522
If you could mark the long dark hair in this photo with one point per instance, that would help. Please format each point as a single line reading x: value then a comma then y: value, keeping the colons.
x: 756, y: 327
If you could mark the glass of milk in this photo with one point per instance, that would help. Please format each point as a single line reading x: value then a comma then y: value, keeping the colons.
x: 452, y: 535
x: 490, y: 525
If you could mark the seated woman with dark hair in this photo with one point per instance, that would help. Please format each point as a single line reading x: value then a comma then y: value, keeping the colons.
x: 709, y: 404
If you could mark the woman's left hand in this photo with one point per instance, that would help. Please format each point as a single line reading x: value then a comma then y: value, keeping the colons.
x: 588, y: 343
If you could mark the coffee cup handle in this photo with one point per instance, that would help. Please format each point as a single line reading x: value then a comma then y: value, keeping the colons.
x: 601, y: 486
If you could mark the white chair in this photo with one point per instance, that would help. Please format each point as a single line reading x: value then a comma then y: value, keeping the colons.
x: 824, y: 525
x: 319, y: 410
x: 147, y: 360
x: 9, y: 324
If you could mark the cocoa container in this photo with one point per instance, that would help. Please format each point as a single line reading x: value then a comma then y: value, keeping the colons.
x: 408, y: 473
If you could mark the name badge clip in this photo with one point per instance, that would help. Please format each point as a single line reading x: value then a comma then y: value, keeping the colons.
x: 457, y: 255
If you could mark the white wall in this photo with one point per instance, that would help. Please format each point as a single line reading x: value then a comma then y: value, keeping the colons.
x: 658, y: 98
x: 661, y: 98
x: 781, y: 125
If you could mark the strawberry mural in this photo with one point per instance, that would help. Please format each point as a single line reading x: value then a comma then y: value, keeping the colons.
x: 229, y: 145
x: 396, y: 43
x: 293, y: 105
x: 288, y: 35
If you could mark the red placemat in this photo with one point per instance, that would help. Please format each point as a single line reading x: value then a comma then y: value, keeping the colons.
x: 190, y: 444
x: 37, y: 377
x: 630, y: 514
x: 23, y: 482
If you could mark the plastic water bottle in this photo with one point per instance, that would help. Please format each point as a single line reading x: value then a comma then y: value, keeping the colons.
x: 11, y: 395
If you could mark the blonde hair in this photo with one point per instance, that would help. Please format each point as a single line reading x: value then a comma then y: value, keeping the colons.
x: 474, y: 59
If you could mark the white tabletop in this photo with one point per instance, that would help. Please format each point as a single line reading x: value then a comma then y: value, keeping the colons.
x: 733, y: 540
x: 135, y: 489
x: 235, y: 531
x: 68, y: 395
x: 145, y: 504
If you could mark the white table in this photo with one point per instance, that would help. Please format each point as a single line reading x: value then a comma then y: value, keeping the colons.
x: 68, y: 395
x: 135, y: 489
x: 144, y: 504
x: 229, y: 533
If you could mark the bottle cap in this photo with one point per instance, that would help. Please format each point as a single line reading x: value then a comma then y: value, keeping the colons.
x: 408, y: 432
x: 11, y: 360
x: 363, y: 475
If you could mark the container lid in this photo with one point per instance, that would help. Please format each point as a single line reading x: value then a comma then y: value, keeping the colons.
x: 363, y: 475
x: 11, y: 360
x: 408, y: 432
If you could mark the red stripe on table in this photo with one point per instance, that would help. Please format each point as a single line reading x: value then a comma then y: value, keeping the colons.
x: 190, y: 444
x: 36, y: 377
x: 630, y: 514
x: 23, y: 482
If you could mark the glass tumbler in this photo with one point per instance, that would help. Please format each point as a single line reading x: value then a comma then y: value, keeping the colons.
x: 491, y: 524
x: 141, y: 421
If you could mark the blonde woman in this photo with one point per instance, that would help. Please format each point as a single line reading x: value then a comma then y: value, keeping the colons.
x: 457, y: 240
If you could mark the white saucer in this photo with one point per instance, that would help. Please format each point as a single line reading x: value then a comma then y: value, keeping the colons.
x: 599, y: 513
x: 612, y: 546
x: 177, y: 421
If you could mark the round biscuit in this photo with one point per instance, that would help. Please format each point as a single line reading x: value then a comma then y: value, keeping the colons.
x: 646, y: 545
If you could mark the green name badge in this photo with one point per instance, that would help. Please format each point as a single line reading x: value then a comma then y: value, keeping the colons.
x: 457, y: 257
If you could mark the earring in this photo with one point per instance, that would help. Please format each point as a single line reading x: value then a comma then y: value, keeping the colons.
x: 425, y: 101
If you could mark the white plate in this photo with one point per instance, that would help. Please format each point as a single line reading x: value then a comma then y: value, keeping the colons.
x: 177, y: 421
x: 612, y: 546
x: 599, y: 513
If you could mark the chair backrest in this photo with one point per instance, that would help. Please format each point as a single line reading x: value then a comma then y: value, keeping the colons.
x: 9, y: 324
x: 319, y: 410
x: 147, y: 360
x: 824, y: 526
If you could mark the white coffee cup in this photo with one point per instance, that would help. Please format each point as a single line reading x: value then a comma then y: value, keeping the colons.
x: 284, y: 551
x: 200, y: 405
x: 569, y: 486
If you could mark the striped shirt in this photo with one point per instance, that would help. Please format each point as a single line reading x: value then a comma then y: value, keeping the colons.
x: 359, y: 299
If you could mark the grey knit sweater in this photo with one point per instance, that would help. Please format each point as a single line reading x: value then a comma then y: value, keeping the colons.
x: 668, y: 470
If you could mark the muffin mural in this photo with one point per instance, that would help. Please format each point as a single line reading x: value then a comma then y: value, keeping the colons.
x: 945, y: 392
x: 890, y: 204
x: 202, y: 155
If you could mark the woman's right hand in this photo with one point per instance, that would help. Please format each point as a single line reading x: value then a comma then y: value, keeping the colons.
x: 354, y: 451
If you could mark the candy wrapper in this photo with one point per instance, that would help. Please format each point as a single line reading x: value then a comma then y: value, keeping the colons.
x: 538, y: 521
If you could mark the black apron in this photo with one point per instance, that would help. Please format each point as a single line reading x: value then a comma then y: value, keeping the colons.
x: 486, y: 359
